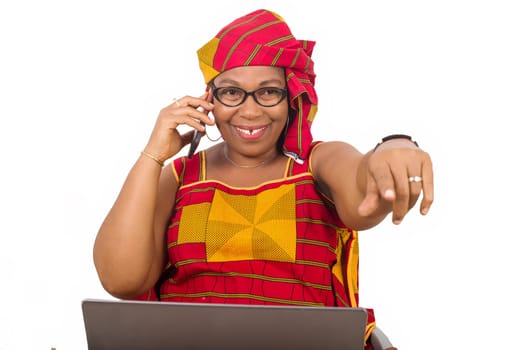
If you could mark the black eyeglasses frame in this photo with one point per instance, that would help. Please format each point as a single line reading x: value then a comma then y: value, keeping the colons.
x: 252, y: 93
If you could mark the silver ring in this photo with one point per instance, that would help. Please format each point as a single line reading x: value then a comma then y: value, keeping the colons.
x: 175, y: 100
x: 415, y: 179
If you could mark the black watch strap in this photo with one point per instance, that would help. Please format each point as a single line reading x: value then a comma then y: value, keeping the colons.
x: 393, y: 137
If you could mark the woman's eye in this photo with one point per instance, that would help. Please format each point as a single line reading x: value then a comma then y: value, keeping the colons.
x: 232, y: 92
x: 270, y: 91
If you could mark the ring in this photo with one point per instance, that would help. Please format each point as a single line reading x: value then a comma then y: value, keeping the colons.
x: 415, y: 179
x: 175, y: 100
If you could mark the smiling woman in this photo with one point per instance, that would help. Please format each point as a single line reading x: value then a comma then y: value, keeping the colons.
x: 267, y: 216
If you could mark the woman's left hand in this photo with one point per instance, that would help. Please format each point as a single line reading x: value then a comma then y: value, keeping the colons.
x: 397, y: 172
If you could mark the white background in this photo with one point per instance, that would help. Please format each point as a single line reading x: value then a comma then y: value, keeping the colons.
x: 81, y: 84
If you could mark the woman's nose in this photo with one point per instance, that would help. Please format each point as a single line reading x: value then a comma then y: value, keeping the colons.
x: 250, y: 109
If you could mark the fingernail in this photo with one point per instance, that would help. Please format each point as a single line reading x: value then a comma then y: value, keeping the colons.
x: 389, y: 194
x: 397, y: 221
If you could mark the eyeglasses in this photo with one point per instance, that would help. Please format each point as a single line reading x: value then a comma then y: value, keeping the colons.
x: 234, y: 96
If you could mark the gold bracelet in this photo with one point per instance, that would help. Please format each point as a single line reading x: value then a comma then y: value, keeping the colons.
x: 156, y: 159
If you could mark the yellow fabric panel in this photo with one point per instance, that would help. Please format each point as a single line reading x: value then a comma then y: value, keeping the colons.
x: 312, y: 113
x: 353, y: 262
x: 238, y: 246
x: 351, y: 270
x: 206, y: 55
x: 192, y: 227
x: 227, y: 208
x: 248, y: 228
x: 338, y: 269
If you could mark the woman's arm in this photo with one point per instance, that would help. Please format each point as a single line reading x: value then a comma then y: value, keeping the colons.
x: 129, y: 251
x: 367, y: 187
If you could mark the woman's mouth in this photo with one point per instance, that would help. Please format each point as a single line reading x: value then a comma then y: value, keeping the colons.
x: 250, y: 133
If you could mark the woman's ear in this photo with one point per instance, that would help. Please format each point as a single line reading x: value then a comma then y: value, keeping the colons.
x: 209, y: 89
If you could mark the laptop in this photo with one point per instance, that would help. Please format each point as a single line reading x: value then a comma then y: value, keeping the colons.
x: 130, y: 325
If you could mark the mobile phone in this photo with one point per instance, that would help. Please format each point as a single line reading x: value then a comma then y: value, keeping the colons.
x: 197, y: 136
x: 194, y: 143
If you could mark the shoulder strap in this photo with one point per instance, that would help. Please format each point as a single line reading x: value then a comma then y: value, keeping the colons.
x: 296, y: 168
x: 188, y: 170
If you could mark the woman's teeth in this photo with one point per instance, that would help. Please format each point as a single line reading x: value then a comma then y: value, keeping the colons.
x: 250, y: 131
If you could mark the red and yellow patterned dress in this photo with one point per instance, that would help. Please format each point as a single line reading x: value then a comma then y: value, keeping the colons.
x: 279, y: 243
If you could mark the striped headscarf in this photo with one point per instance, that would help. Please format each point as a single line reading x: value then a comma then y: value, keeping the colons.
x: 262, y: 38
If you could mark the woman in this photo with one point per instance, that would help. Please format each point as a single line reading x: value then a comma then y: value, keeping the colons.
x: 267, y: 216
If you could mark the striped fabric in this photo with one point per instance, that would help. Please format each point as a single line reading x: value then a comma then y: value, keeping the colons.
x: 280, y: 243
x: 263, y: 38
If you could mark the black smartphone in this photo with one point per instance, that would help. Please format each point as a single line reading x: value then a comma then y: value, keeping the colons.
x: 197, y: 136
x: 194, y: 143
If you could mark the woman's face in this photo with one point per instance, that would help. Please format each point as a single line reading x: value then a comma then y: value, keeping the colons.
x: 250, y: 129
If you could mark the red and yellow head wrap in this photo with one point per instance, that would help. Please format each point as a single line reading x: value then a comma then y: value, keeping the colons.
x: 262, y: 38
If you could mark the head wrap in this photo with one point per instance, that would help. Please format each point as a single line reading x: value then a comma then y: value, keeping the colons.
x: 262, y: 38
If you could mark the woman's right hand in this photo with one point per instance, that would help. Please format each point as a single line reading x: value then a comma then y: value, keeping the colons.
x: 165, y: 140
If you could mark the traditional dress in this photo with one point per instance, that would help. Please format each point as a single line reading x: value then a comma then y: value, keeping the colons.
x: 279, y: 243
